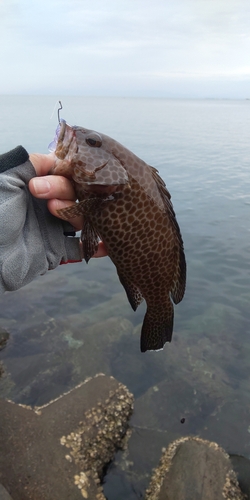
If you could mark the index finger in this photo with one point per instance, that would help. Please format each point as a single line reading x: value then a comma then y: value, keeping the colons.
x: 42, y: 163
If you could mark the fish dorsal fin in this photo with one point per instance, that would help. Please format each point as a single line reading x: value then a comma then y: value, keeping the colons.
x: 160, y: 183
x: 179, y: 282
x: 164, y: 193
x: 166, y: 198
x: 179, y: 277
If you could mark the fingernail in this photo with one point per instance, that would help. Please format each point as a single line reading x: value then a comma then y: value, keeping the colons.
x: 41, y: 186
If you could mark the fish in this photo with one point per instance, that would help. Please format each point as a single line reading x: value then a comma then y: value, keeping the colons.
x: 127, y: 205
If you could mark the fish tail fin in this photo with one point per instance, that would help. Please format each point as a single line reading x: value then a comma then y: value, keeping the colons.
x: 157, y: 327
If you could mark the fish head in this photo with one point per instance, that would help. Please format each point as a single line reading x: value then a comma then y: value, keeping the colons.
x: 87, y: 157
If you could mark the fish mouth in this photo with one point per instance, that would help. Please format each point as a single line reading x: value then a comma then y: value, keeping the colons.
x: 66, y: 143
x: 62, y: 130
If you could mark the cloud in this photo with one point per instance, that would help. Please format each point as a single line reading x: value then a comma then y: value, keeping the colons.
x: 88, y: 47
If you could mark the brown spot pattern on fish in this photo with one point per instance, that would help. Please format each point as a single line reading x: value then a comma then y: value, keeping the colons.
x: 126, y: 204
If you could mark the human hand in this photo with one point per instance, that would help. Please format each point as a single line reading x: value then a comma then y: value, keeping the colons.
x: 57, y: 190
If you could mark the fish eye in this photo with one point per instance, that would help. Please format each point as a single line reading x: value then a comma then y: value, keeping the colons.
x: 94, y: 140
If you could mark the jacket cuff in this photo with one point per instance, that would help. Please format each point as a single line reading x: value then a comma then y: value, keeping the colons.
x: 13, y: 158
x: 73, y: 250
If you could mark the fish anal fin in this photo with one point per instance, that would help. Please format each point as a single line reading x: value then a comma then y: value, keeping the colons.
x: 157, y: 327
x: 133, y: 293
x: 90, y: 240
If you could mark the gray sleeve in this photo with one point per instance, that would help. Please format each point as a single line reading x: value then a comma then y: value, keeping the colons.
x: 32, y: 240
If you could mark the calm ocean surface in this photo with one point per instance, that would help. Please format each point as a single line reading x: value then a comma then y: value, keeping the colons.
x: 75, y: 321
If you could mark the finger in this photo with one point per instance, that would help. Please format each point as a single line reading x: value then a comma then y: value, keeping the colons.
x: 42, y: 163
x: 52, y: 186
x: 54, y: 205
x: 101, y: 252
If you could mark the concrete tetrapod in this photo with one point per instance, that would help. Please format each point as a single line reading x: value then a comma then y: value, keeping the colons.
x: 58, y: 451
x: 194, y: 469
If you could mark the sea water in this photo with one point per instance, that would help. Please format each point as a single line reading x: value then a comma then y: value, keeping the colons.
x: 75, y: 321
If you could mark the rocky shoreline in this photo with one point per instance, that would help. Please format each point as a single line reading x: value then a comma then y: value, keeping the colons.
x: 62, y: 449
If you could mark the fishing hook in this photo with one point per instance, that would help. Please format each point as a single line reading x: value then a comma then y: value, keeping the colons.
x: 58, y: 111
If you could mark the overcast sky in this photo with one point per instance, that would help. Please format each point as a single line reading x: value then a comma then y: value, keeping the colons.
x: 155, y: 48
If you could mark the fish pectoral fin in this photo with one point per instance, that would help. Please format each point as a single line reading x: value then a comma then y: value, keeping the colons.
x: 133, y: 293
x: 83, y: 207
x: 90, y: 240
x: 157, y: 327
x: 71, y: 212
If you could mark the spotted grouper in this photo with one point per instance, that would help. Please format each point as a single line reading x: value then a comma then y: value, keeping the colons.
x: 126, y: 204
